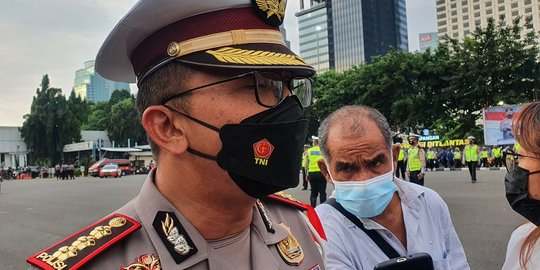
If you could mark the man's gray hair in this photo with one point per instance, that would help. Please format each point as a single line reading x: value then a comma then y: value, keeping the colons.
x: 355, y: 117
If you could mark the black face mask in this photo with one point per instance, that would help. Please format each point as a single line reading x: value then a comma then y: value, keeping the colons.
x: 263, y: 153
x: 515, y: 184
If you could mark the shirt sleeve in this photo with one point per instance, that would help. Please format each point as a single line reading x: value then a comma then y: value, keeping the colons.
x: 454, y: 250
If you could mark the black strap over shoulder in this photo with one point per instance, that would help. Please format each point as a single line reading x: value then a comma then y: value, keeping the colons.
x: 377, y: 238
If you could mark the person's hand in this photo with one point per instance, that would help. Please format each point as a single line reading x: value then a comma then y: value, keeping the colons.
x: 421, y: 176
x: 408, y: 174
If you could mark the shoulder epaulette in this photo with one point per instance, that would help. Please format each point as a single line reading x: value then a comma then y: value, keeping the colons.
x: 82, y: 246
x: 310, y: 211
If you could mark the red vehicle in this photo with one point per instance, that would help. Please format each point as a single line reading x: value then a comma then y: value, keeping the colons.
x: 110, y: 170
x: 124, y: 164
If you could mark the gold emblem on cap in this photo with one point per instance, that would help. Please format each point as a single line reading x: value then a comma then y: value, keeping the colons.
x: 289, y: 248
x: 173, y: 49
x: 250, y: 57
x: 272, y: 7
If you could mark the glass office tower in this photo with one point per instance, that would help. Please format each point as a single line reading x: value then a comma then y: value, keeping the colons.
x: 345, y: 33
x: 91, y: 86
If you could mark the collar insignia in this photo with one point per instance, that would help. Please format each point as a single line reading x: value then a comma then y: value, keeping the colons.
x: 267, y: 222
x: 174, y: 236
x: 270, y: 11
x: 145, y: 262
x: 289, y: 248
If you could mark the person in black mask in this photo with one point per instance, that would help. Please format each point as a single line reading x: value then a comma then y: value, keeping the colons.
x: 221, y: 99
x: 522, y: 184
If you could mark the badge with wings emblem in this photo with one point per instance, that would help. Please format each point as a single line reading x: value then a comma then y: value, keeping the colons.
x: 270, y: 11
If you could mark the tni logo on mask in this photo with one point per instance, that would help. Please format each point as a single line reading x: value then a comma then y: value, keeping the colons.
x: 262, y: 151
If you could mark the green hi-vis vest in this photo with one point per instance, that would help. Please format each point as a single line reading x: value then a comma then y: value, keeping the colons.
x: 414, y: 160
x: 457, y: 155
x: 314, y: 154
x: 516, y: 146
x: 471, y: 153
x: 484, y: 154
x: 401, y: 156
x: 430, y: 154
x: 497, y: 153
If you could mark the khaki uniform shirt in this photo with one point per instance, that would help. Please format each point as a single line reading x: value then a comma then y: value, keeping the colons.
x: 274, y: 248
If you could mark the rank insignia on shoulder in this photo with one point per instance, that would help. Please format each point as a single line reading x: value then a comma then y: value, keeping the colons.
x: 308, y: 209
x: 290, y: 249
x: 79, y: 248
x: 145, y: 262
x: 174, y: 236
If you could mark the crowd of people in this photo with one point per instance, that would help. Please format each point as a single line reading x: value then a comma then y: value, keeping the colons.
x: 453, y: 157
x: 221, y: 99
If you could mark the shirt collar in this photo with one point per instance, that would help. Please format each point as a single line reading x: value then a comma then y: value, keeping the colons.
x: 147, y: 204
x: 150, y: 201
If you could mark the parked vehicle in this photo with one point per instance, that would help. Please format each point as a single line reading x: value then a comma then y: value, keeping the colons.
x: 110, y: 170
x: 124, y: 164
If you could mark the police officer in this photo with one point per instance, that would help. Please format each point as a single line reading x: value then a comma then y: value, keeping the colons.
x: 457, y: 158
x: 470, y: 155
x: 305, y: 165
x: 496, y: 152
x: 416, y: 161
x: 217, y: 97
x: 432, y: 157
x: 484, y: 155
x: 316, y: 179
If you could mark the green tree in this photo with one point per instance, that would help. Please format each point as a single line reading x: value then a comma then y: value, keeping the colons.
x: 497, y: 63
x: 124, y: 124
x: 118, y: 96
x: 52, y: 122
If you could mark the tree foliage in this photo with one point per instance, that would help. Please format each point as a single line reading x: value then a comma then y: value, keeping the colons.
x: 53, y: 121
x: 119, y: 118
x: 444, y: 90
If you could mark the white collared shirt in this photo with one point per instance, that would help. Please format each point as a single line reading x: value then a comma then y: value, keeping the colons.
x: 428, y: 227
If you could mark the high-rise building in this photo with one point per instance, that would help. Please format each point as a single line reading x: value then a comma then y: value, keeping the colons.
x: 428, y: 40
x: 92, y: 87
x: 339, y: 34
x: 459, y: 18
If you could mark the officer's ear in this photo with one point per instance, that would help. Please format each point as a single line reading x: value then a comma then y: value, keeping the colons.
x: 324, y: 170
x: 165, y: 129
x: 395, y: 152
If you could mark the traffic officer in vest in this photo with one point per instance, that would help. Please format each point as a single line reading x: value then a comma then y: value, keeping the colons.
x: 402, y: 156
x: 496, y: 152
x: 416, y: 161
x: 457, y: 158
x: 432, y: 158
x: 218, y: 100
x: 305, y: 165
x: 471, y: 152
x: 401, y: 164
x: 484, y: 155
x: 316, y: 179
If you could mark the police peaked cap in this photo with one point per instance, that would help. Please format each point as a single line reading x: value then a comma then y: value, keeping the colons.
x: 239, y: 34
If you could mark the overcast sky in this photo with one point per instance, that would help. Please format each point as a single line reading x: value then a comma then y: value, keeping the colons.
x: 56, y: 37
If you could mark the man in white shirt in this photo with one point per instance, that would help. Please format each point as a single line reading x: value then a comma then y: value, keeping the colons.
x: 359, y: 159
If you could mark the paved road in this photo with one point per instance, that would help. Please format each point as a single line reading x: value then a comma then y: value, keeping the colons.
x: 37, y: 213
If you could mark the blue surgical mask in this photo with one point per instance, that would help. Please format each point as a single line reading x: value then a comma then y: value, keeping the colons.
x: 365, y: 199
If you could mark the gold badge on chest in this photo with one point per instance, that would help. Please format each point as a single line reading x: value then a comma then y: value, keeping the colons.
x: 289, y: 248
